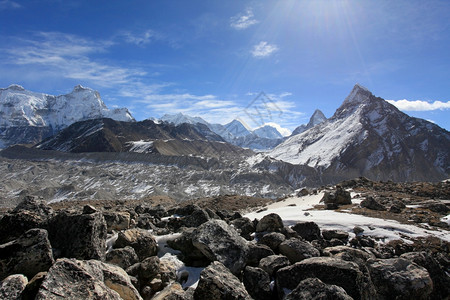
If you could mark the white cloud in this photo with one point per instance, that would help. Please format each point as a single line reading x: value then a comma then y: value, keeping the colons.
x: 419, y: 105
x: 283, y: 131
x: 264, y: 49
x: 139, y: 39
x: 243, y: 20
x: 8, y: 4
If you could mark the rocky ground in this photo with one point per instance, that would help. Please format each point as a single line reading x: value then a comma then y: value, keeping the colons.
x: 205, y: 248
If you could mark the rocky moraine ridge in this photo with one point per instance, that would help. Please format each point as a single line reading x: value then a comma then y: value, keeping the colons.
x: 148, y: 250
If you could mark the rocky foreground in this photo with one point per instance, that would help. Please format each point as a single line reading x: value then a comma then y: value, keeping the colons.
x: 126, y: 250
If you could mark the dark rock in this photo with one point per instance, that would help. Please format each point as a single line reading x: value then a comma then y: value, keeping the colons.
x: 30, y: 213
x: 256, y: 252
x: 271, y: 222
x: 244, y: 226
x: 140, y: 240
x: 147, y: 221
x: 190, y: 255
x: 122, y: 257
x: 33, y: 286
x: 303, y: 192
x: 76, y: 279
x: 117, y: 220
x: 257, y: 283
x: 28, y: 255
x: 357, y: 256
x: 329, y: 270
x: 363, y: 241
x: 395, y: 209
x: 399, y: 278
x: 358, y: 230
x: 371, y: 203
x: 273, y: 240
x: 11, y: 287
x: 218, y: 241
x: 218, y: 283
x: 333, y: 199
x: 81, y: 236
x: 192, y: 215
x: 335, y: 234
x: 271, y: 264
x: 437, y: 206
x: 296, y: 250
x: 308, y: 230
x: 148, y: 268
x: 315, y: 289
x: 89, y: 209
x: 158, y: 211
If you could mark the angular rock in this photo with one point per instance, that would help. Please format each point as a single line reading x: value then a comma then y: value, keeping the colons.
x: 173, y: 291
x: 28, y: 255
x: 244, y: 226
x: 76, y: 279
x: 399, y: 278
x: 271, y: 264
x: 296, y: 250
x: 190, y: 255
x: 218, y: 283
x: 371, y: 203
x: 335, y: 234
x: 140, y: 240
x: 308, y: 230
x: 148, y: 268
x: 273, y: 240
x: 30, y: 213
x: 122, y: 257
x: 33, y: 286
x: 357, y: 256
x: 269, y: 223
x: 11, y: 287
x: 257, y: 283
x: 117, y: 221
x: 218, y: 241
x: 329, y: 270
x: 315, y: 289
x: 81, y: 236
x: 256, y: 252
x: 336, y: 198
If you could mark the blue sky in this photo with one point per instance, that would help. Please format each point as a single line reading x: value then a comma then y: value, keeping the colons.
x: 213, y: 58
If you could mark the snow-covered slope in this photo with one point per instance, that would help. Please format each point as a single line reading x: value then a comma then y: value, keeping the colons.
x: 268, y: 132
x: 316, y: 118
x: 23, y: 112
x: 367, y: 136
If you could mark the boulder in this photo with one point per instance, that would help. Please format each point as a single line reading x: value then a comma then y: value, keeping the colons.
x: 371, y: 203
x: 190, y: 255
x: 140, y: 240
x: 271, y: 264
x: 244, y: 226
x: 308, y: 230
x: 11, y: 287
x: 148, y: 268
x: 218, y: 241
x: 117, y: 221
x: 28, y: 255
x: 269, y: 223
x: 335, y: 234
x: 30, y: 213
x: 33, y: 286
x: 218, y: 283
x: 256, y: 252
x: 296, y: 250
x: 273, y: 240
x: 173, y: 291
x: 122, y: 257
x: 357, y: 256
x: 315, y: 289
x: 257, y: 283
x: 192, y: 215
x: 77, y: 279
x: 81, y: 236
x: 399, y: 278
x: 333, y: 199
x: 329, y: 270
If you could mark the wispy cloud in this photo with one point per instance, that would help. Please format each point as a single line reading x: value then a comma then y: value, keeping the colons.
x: 243, y: 20
x: 8, y: 4
x: 140, y: 38
x: 419, y: 105
x: 264, y: 49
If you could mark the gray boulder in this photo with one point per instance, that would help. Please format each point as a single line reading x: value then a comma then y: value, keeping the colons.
x: 256, y: 252
x: 335, y: 234
x: 117, y: 221
x: 81, y: 236
x: 273, y: 240
x: 122, y: 257
x: 190, y: 255
x: 140, y: 240
x: 11, y: 287
x: 76, y: 279
x: 399, y: 278
x: 257, y: 283
x: 28, y: 255
x: 173, y: 291
x: 269, y: 223
x: 329, y: 270
x: 308, y: 230
x: 271, y: 264
x: 333, y: 199
x: 244, y: 226
x: 218, y: 241
x: 296, y: 250
x: 371, y: 203
x: 218, y: 283
x: 357, y: 256
x: 315, y: 289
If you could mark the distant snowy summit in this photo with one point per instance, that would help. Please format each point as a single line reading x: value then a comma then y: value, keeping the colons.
x: 28, y: 117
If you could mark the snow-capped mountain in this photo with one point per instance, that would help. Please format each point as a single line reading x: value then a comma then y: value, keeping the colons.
x: 268, y: 132
x: 28, y: 117
x: 367, y: 136
x: 316, y: 118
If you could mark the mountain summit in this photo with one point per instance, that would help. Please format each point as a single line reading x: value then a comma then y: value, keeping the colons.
x: 29, y: 117
x: 316, y: 118
x: 367, y: 136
